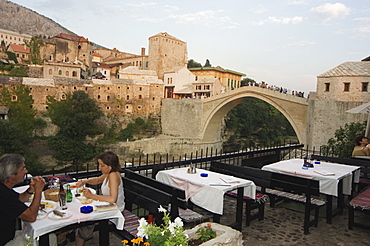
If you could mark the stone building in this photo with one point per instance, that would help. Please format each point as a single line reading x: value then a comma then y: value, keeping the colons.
x: 116, y: 56
x: 165, y: 53
x: 344, y: 87
x: 210, y: 87
x: 10, y: 37
x: 21, y: 51
x: 177, y: 81
x: 67, y: 48
x: 228, y: 78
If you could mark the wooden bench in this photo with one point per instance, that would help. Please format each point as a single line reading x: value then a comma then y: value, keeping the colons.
x: 177, y: 205
x: 297, y: 189
x: 360, y: 203
x: 260, y: 161
x: 139, y: 196
x: 260, y: 178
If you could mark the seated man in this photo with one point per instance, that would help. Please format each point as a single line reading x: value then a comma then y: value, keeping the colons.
x: 12, y: 171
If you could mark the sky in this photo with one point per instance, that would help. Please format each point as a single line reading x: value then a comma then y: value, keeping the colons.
x: 286, y: 43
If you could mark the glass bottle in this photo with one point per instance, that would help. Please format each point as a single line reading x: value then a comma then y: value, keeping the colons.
x: 62, y: 197
x: 69, y: 193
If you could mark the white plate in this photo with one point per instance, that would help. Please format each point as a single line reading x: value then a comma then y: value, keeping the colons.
x: 51, y: 205
x: 56, y: 217
x: 100, y: 203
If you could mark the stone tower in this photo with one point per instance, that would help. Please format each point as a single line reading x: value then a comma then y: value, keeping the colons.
x: 165, y: 53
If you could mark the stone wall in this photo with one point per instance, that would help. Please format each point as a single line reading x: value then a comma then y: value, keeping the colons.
x: 175, y: 109
x: 162, y: 145
x: 325, y: 117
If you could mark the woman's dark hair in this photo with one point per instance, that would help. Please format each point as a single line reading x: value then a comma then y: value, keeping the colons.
x: 358, y: 139
x: 111, y: 159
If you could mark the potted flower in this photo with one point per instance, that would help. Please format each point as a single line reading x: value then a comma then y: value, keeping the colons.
x: 167, y: 234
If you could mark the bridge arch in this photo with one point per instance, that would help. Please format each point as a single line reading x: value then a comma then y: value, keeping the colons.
x: 215, y: 109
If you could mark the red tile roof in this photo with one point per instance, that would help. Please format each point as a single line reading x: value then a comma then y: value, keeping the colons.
x: 97, y: 54
x: 72, y: 37
x: 20, y: 48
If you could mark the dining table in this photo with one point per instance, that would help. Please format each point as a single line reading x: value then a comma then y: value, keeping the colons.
x: 206, y: 189
x: 49, y: 222
x: 335, y: 180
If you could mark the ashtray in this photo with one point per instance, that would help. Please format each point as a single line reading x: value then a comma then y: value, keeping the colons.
x: 86, y: 209
x: 204, y: 174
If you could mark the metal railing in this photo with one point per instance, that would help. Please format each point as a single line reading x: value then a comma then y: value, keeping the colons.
x: 201, y: 159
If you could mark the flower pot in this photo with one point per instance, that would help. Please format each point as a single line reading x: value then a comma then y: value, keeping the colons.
x: 226, y: 236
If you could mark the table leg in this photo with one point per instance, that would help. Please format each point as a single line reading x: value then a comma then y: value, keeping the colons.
x: 239, y: 210
x: 103, y: 233
x: 44, y: 240
x: 340, y: 202
x: 329, y: 209
x: 216, y: 218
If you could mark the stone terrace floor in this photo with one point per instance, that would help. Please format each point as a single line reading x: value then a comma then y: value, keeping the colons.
x: 283, y: 226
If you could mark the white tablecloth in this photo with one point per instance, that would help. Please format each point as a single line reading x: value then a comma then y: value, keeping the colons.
x: 199, y: 190
x: 47, y: 225
x: 328, y: 184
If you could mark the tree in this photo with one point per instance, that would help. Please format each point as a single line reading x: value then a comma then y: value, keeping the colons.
x: 256, y: 123
x: 76, y: 117
x: 12, y: 56
x: 192, y: 63
x: 35, y: 44
x: 246, y: 81
x: 19, y: 71
x: 21, y: 112
x: 208, y: 64
x: 17, y: 132
x: 342, y: 143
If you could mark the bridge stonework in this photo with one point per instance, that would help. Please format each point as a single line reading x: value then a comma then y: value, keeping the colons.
x: 203, y: 119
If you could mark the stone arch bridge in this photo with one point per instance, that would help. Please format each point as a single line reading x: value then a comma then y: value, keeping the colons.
x: 201, y: 120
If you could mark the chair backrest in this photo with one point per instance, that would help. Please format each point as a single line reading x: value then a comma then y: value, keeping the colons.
x: 347, y: 161
x: 259, y: 177
x: 295, y: 184
x: 177, y: 196
x: 260, y: 161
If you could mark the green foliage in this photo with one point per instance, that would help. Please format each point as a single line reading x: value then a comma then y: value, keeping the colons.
x: 21, y: 112
x: 138, y: 127
x: 35, y: 44
x: 342, y: 143
x: 12, y: 56
x: 19, y: 71
x: 167, y: 234
x: 207, y: 64
x: 72, y: 150
x: 206, y: 233
x: 246, y: 81
x: 256, y: 123
x: 16, y: 132
x: 77, y: 117
x: 192, y: 63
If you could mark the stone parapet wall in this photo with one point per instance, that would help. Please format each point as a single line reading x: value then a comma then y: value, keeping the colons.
x: 226, y: 236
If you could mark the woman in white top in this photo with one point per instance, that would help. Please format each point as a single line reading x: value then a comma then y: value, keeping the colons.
x: 112, y: 189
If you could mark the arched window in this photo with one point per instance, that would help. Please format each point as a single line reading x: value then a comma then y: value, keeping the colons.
x: 74, y: 74
x: 140, y: 97
x: 67, y: 73
x: 60, y: 72
x: 50, y: 71
x: 128, y: 97
x: 108, y: 97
